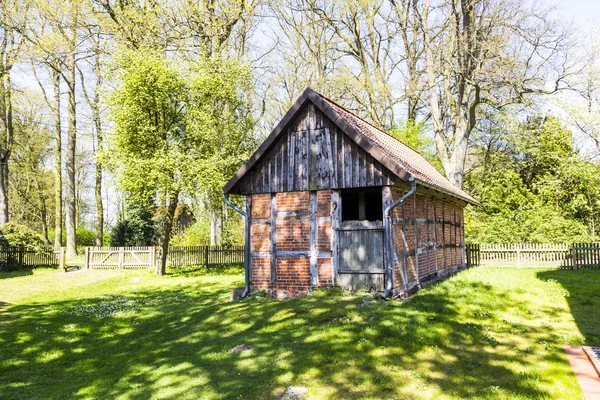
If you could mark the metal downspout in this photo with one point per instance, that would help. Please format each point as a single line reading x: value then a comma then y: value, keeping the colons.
x: 389, y: 259
x: 247, y: 247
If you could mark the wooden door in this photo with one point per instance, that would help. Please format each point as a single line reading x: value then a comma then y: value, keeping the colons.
x: 361, y: 257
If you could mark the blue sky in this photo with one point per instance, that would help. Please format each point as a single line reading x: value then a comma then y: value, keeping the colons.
x: 583, y: 12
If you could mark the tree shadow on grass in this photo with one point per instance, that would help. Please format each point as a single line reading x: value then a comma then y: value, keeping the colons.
x: 16, y: 273
x: 583, y: 298
x: 175, y: 343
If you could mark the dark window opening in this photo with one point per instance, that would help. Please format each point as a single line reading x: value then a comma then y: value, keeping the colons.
x: 362, y: 205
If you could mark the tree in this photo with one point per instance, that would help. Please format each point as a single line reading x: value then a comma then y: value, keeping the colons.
x: 94, y: 102
x: 47, y: 48
x: 30, y: 182
x: 490, y: 53
x: 11, y: 44
x: 533, y: 186
x: 137, y: 228
x: 174, y: 135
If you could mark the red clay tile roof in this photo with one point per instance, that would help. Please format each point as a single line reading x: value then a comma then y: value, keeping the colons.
x: 399, y: 158
x: 406, y: 157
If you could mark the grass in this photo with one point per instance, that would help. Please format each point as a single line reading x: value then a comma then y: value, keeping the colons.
x: 485, y: 333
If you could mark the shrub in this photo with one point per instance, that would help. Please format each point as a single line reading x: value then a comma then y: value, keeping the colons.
x: 137, y: 229
x: 21, y: 236
x: 85, y: 237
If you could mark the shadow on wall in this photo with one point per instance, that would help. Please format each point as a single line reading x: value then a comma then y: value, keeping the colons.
x: 177, y: 342
x: 583, y: 297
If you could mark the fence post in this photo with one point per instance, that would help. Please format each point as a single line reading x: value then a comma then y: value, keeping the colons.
x: 121, y: 257
x: 519, y: 254
x: 86, y: 259
x: 206, y: 256
x: 61, y: 259
x: 20, y: 255
x: 153, y: 257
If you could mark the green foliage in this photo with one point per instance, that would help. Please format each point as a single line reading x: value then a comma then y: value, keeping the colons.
x: 136, y: 229
x: 197, y: 234
x: 178, y: 128
x: 21, y: 236
x: 415, y: 136
x: 85, y: 237
x: 532, y: 185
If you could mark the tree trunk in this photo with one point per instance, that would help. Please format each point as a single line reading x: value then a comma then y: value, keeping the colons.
x: 58, y: 220
x: 98, y: 124
x: 70, y: 220
x: 4, y: 157
x: 161, y: 266
x: 99, y: 204
x: 44, y: 217
x: 216, y: 226
x: 6, y: 119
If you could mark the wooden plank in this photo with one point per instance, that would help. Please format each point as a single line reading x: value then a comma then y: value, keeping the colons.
x: 416, y: 237
x: 304, y: 151
x: 370, y: 180
x: 355, y: 166
x: 273, y: 237
x: 333, y: 157
x: 340, y: 157
x: 248, y: 226
x: 348, y: 165
x: 284, y: 164
x: 336, y: 218
x: 291, y: 147
x: 313, y: 237
x: 312, y: 160
x: 362, y: 170
x: 386, y: 201
x: 435, y: 242
x: 325, y: 162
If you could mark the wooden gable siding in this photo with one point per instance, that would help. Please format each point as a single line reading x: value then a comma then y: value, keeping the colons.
x: 313, y: 154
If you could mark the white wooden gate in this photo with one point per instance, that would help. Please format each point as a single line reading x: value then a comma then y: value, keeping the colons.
x: 120, y: 257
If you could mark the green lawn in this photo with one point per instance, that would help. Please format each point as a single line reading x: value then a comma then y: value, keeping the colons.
x: 488, y: 333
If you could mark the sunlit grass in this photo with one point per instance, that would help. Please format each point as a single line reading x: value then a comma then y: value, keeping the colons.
x: 485, y: 333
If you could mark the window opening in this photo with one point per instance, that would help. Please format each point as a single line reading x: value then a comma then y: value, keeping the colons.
x: 362, y: 205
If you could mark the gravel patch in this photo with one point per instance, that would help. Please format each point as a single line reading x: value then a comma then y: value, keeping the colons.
x: 294, y: 392
x: 240, y: 348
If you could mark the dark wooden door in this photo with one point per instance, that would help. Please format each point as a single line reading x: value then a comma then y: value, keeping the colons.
x: 361, y: 257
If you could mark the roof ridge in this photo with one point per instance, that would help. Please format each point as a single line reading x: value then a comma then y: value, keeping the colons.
x: 367, y: 122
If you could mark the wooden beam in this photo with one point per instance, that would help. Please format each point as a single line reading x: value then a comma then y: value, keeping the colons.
x: 336, y: 217
x: 313, y: 237
x: 273, y: 237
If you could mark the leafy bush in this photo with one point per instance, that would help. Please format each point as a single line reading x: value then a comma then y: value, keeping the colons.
x: 197, y: 234
x: 21, y: 236
x: 85, y: 237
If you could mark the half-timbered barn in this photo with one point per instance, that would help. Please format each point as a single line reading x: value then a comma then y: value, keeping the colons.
x: 333, y: 200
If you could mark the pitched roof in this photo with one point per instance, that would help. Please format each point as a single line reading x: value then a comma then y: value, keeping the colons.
x: 399, y: 158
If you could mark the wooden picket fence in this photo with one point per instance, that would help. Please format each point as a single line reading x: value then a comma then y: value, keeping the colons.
x: 180, y: 256
x: 119, y: 257
x: 19, y: 257
x: 533, y: 255
x: 584, y: 255
x: 146, y: 257
x: 473, y: 253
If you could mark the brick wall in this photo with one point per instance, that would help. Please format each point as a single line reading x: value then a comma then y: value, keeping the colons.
x: 421, y: 224
x: 292, y: 235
